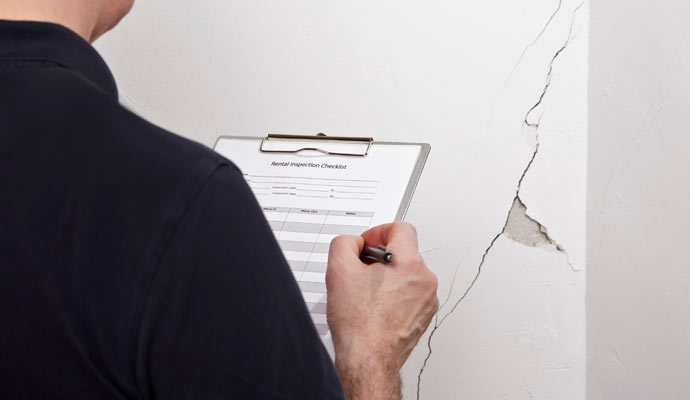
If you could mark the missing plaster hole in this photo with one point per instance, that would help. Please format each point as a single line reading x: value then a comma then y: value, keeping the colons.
x: 525, y: 230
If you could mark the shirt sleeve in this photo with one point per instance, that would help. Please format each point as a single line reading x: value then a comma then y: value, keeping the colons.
x: 224, y: 317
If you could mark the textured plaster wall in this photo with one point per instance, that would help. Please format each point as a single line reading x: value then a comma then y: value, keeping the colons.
x: 638, y: 280
x: 499, y: 89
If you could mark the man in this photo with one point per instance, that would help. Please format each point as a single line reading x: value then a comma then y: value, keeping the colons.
x: 135, y: 264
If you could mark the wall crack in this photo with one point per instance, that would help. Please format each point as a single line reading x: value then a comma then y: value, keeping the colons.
x: 517, y: 214
x: 522, y: 57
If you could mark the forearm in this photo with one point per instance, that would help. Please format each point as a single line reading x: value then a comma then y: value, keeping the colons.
x: 365, y: 380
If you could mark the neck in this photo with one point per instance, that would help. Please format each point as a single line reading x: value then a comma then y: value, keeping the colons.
x: 80, y: 16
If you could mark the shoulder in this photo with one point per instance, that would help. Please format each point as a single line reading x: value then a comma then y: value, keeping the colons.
x: 62, y: 109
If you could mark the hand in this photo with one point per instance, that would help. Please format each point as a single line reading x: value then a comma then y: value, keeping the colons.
x: 378, y: 312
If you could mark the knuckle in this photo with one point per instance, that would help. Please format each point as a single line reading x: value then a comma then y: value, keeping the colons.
x: 333, y: 272
x: 413, y: 259
x: 332, y: 268
x: 432, y: 282
x: 417, y: 261
x: 329, y: 277
x: 406, y: 226
x: 436, y: 305
x: 411, y: 266
x: 338, y: 243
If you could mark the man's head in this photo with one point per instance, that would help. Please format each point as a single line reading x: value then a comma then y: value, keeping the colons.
x: 89, y: 18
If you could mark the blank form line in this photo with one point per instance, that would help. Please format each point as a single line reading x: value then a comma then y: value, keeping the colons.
x: 306, y: 195
x: 352, y: 198
x: 317, y: 184
x: 304, y: 177
x: 302, y: 190
x: 345, y: 191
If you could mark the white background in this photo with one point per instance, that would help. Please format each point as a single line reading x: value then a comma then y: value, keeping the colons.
x: 638, y: 227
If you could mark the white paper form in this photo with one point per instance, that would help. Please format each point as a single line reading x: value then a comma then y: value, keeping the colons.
x: 310, y: 198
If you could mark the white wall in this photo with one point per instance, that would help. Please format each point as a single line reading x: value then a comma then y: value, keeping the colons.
x: 461, y: 76
x: 638, y: 280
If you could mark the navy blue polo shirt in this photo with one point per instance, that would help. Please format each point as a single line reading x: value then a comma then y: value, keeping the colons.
x: 134, y: 264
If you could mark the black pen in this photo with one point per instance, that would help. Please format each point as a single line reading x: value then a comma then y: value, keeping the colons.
x: 381, y: 254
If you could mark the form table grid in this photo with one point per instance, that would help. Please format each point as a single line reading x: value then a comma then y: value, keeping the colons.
x: 304, y: 236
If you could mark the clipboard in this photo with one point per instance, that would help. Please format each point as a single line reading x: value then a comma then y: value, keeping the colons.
x: 315, y: 143
x: 312, y: 188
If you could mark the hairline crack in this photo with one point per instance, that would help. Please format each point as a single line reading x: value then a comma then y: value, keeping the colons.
x: 526, y: 122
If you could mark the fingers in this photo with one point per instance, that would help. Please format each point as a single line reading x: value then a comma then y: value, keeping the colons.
x: 346, y: 248
x: 343, y: 256
x: 399, y: 236
x: 388, y: 234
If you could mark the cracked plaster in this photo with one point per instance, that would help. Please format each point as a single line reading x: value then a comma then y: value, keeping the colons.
x: 519, y: 226
x: 523, y: 229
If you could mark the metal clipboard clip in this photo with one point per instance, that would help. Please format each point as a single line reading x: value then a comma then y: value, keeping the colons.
x: 318, y: 137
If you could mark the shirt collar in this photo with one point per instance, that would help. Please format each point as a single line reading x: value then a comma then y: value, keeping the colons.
x: 43, y: 41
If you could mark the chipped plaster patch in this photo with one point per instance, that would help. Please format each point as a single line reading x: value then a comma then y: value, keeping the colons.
x: 525, y: 230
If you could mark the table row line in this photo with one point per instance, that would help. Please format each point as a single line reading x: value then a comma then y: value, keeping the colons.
x: 302, y: 276
x: 328, y: 229
x: 317, y: 219
x: 317, y: 308
x: 322, y: 329
x: 313, y: 247
x: 312, y: 287
x: 305, y: 256
x: 317, y: 212
x: 311, y: 297
x: 319, y: 318
x: 308, y: 266
x: 304, y: 237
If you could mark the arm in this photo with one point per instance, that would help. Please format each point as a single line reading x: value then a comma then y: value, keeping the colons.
x: 377, y: 312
